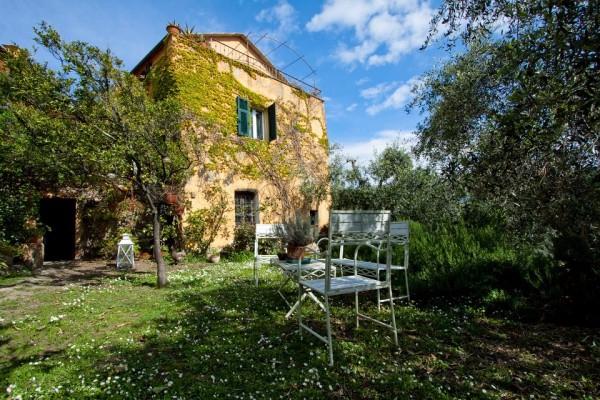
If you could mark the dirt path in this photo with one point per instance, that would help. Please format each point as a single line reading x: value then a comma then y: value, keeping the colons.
x: 57, y: 275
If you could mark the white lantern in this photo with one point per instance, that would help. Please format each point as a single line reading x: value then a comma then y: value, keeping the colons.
x: 125, y: 258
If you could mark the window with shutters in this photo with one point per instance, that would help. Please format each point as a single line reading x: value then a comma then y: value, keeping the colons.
x: 256, y: 123
x: 272, y: 122
x: 246, y: 207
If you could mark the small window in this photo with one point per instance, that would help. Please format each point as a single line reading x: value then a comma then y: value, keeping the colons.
x: 246, y: 208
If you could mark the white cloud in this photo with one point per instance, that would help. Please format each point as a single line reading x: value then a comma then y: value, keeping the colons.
x: 389, y: 95
x: 352, y: 107
x: 283, y: 15
x: 377, y: 90
x: 364, y: 151
x: 384, y: 30
x: 362, y: 81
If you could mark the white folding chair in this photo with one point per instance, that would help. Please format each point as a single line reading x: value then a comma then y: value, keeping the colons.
x: 263, y: 231
x: 399, y: 236
x: 351, y: 228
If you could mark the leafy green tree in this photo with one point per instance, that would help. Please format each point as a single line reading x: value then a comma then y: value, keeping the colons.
x: 391, y: 182
x: 42, y: 146
x: 515, y: 120
x: 390, y: 165
x: 98, y: 125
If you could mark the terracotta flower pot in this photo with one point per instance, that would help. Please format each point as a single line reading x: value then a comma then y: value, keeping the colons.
x: 173, y: 29
x: 170, y: 198
x: 295, y: 252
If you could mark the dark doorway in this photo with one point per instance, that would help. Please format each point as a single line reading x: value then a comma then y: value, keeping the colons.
x: 59, y: 216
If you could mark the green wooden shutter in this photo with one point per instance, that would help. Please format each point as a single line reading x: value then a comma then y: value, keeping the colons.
x: 272, y: 122
x: 243, y: 117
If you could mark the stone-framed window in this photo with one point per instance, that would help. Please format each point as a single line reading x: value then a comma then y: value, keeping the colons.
x: 246, y: 207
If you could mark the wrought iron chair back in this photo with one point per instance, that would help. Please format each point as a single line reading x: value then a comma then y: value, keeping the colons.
x: 399, y: 232
x: 399, y: 235
x: 350, y: 227
x: 354, y: 227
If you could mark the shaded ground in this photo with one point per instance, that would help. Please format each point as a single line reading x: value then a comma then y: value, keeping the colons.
x: 56, y: 275
x: 213, y: 334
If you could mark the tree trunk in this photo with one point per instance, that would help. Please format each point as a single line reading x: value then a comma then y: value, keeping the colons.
x: 161, y: 270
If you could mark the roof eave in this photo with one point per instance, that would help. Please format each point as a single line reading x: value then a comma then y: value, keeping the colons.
x: 155, y: 49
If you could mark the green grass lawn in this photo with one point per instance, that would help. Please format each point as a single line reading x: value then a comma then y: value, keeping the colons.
x: 213, y: 334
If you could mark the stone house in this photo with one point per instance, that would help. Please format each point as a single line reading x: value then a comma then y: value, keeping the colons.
x: 265, y: 126
x: 263, y: 130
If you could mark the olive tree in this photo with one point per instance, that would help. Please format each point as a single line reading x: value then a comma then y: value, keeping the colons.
x: 515, y: 120
x: 103, y: 126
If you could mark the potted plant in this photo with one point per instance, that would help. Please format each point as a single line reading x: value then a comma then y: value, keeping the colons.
x: 214, y: 255
x: 173, y: 28
x: 297, y: 233
x: 170, y: 198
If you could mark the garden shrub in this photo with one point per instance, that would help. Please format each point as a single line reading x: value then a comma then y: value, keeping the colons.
x: 243, y: 238
x: 453, y: 259
x: 243, y: 244
x: 202, y: 226
x: 195, y: 231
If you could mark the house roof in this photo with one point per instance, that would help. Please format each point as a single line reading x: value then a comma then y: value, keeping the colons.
x: 248, y: 42
x: 208, y: 35
x: 154, y: 50
x: 275, y: 72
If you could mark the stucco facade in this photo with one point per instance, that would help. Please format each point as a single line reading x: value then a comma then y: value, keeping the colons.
x: 232, y: 66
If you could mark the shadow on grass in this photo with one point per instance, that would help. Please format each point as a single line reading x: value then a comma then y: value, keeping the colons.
x: 223, y: 337
x: 58, y: 274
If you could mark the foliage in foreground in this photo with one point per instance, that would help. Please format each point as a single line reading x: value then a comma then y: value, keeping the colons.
x: 212, y: 333
x: 514, y: 121
x: 86, y: 124
x: 461, y: 246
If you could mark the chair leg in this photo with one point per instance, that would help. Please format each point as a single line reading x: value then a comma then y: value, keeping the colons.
x: 255, y: 274
x: 299, y: 310
x: 356, y: 307
x: 393, y: 316
x: 406, y: 281
x: 328, y: 324
x: 378, y: 295
x: 287, y: 279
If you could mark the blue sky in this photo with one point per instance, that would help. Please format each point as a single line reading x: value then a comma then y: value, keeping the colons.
x: 365, y: 52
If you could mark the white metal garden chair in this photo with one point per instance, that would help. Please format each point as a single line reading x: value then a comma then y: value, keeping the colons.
x: 399, y: 236
x: 351, y: 228
x: 263, y: 231
x: 312, y: 270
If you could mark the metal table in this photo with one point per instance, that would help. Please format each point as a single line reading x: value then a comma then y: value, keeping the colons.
x: 313, y: 270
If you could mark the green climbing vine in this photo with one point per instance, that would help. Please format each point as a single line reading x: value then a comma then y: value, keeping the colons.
x: 204, y: 82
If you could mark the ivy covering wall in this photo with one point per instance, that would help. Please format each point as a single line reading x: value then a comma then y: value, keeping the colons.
x: 204, y: 81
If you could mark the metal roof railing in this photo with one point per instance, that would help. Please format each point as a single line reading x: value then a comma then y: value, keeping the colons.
x: 259, y: 65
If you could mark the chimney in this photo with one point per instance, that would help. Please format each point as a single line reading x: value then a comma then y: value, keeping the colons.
x: 173, y: 29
